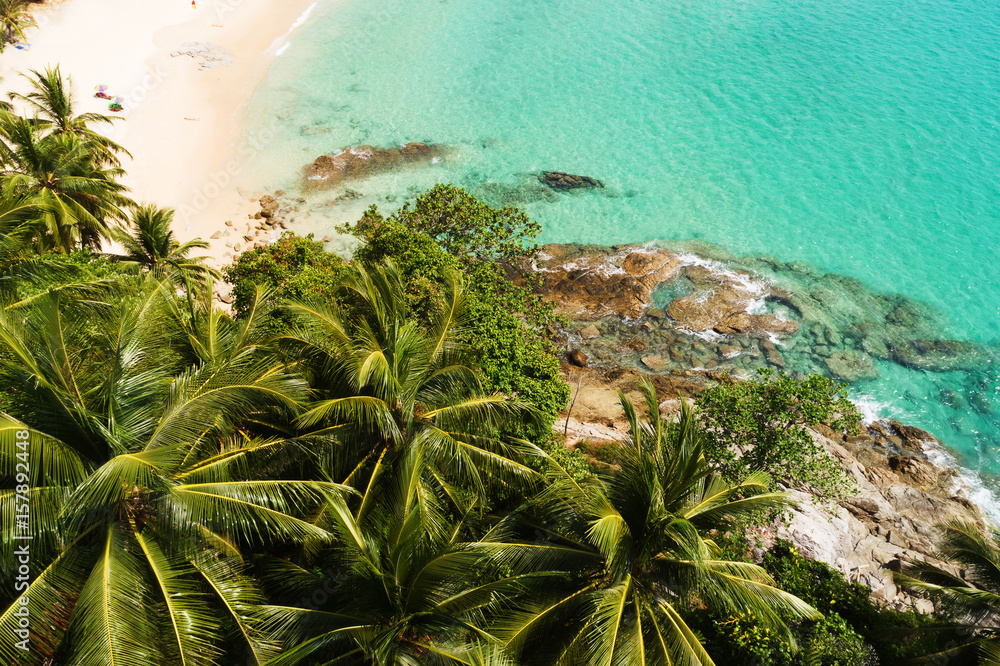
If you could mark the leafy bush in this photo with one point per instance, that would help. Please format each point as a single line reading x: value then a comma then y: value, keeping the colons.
x: 294, y: 267
x: 761, y: 425
x: 893, y: 635
x: 832, y: 643
x: 447, y: 229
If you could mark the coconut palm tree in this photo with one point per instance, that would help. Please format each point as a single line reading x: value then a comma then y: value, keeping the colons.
x: 635, y: 552
x: 973, y: 599
x: 150, y: 244
x: 402, y: 589
x: 80, y: 198
x: 150, y: 479
x: 50, y: 105
x: 13, y: 20
x: 389, y: 387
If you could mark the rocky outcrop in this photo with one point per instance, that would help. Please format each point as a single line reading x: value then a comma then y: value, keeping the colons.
x: 558, y: 180
x: 595, y: 281
x: 591, y: 281
x: 721, y: 302
x: 361, y: 161
x: 892, y: 518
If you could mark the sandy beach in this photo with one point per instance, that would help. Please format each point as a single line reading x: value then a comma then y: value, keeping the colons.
x: 186, y: 74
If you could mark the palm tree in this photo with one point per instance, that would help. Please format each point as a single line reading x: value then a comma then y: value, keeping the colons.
x: 635, y: 552
x: 399, y: 590
x: 51, y: 106
x: 973, y: 599
x: 150, y: 478
x: 150, y: 243
x: 13, y: 20
x: 81, y: 199
x: 388, y: 386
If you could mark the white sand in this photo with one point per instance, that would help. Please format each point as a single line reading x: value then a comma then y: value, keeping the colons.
x: 182, y: 124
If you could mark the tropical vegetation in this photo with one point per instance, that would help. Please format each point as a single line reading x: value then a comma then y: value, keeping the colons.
x: 358, y: 465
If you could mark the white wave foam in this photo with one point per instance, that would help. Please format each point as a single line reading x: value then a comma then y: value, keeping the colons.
x: 968, y: 481
x: 282, y: 44
x: 872, y: 410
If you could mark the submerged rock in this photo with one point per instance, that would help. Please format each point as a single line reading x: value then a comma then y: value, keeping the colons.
x: 577, y: 358
x: 851, y: 366
x: 558, y: 180
x: 361, y: 161
x: 940, y: 355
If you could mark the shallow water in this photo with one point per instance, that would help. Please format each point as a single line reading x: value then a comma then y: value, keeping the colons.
x: 851, y: 137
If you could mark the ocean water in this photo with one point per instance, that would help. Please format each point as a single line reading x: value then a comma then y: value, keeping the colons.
x: 854, y: 138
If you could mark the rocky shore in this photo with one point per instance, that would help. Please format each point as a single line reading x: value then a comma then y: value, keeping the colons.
x: 685, y: 320
x: 660, y: 309
x: 901, y: 496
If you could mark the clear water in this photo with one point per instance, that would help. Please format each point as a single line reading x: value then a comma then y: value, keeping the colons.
x: 859, y: 137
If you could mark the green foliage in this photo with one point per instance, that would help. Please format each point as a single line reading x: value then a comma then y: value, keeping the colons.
x: 447, y: 229
x: 894, y: 635
x: 467, y: 228
x: 293, y: 268
x: 832, y: 643
x: 761, y: 425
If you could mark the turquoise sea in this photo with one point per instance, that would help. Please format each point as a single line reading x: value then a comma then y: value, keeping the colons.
x: 852, y: 137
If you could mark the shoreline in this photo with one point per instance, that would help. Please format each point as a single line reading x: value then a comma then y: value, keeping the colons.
x: 182, y: 121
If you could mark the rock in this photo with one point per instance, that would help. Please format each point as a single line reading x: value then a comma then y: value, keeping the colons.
x: 577, y: 358
x: 590, y: 332
x: 558, y: 180
x: 605, y: 281
x: 257, y: 216
x: 743, y: 322
x: 656, y: 313
x: 217, y: 235
x: 851, y: 366
x: 327, y: 238
x: 720, y: 303
x: 279, y: 193
x: 940, y: 355
x: 229, y: 223
x: 268, y: 206
x: 362, y: 161
x: 225, y: 298
x: 774, y: 358
x: 913, y: 438
x: 729, y: 351
x: 236, y: 248
x: 655, y: 363
x: 247, y: 237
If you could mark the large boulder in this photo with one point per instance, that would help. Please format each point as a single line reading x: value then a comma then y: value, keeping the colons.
x: 268, y: 206
x: 603, y: 282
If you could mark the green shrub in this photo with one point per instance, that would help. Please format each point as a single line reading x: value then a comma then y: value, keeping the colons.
x: 761, y: 425
x: 293, y: 268
x: 831, y: 642
x: 893, y: 635
x: 447, y: 229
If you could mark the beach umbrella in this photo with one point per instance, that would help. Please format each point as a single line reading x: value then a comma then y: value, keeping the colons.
x: 117, y: 100
x: 101, y: 88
